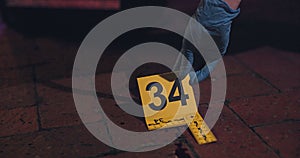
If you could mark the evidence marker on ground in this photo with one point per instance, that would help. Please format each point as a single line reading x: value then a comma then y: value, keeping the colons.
x: 168, y: 102
x: 199, y: 129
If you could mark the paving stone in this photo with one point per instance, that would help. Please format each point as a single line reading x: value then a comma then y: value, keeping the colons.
x: 278, y: 70
x: 174, y: 150
x: 108, y: 60
x: 54, y: 58
x: 121, y: 83
x: 17, y: 121
x: 70, y: 52
x: 15, y: 76
x: 51, y: 70
x: 233, y: 66
x: 133, y: 124
x: 62, y: 142
x: 136, y: 142
x: 64, y: 97
x: 235, y: 140
x: 63, y: 104
x: 111, y: 108
x: 247, y: 85
x: 268, y: 109
x: 121, y: 118
x: 48, y: 49
x: 17, y: 96
x: 10, y: 59
x: 14, y: 48
x: 57, y: 108
x: 238, y: 86
x: 294, y: 57
x: 129, y: 123
x: 284, y: 138
x: 102, y: 85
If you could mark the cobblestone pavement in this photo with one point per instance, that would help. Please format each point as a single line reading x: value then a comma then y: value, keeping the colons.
x: 38, y: 118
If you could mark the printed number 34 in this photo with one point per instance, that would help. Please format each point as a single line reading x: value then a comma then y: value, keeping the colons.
x: 172, y: 98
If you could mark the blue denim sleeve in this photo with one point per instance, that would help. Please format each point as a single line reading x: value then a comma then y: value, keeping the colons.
x: 216, y: 16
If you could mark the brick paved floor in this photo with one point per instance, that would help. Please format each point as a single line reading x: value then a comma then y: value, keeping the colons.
x: 38, y: 118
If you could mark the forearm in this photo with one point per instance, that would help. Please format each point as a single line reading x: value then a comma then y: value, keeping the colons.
x: 216, y: 17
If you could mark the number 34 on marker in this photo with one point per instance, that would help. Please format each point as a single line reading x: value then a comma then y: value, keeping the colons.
x: 166, y: 100
x: 169, y: 102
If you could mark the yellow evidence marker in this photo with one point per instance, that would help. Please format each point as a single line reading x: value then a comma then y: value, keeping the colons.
x: 168, y: 102
x: 199, y: 129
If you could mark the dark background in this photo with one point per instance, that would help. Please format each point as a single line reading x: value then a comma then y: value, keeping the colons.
x: 268, y: 22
